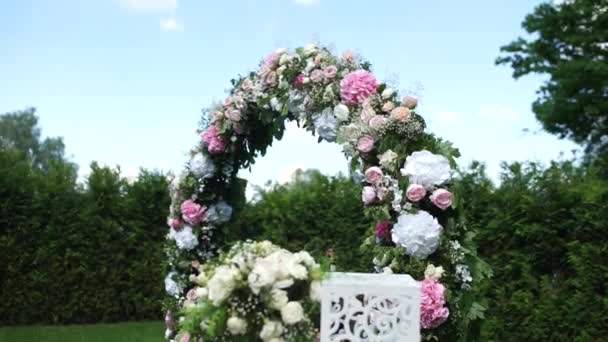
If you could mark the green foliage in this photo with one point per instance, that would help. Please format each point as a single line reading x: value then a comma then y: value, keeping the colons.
x: 312, y: 213
x: 73, y: 253
x: 543, y: 230
x: 567, y: 43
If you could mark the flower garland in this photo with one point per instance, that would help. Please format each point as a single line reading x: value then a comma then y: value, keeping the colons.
x: 405, y: 173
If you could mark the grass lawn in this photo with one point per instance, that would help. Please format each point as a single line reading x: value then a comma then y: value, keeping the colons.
x: 127, y: 332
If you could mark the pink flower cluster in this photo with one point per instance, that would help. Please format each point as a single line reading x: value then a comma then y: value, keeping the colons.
x: 215, y: 143
x: 357, y: 86
x: 383, y: 230
x: 432, y: 304
x: 192, y: 212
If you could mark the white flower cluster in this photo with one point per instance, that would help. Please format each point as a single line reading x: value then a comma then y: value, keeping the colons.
x: 202, y: 166
x: 418, y: 233
x: 184, y: 238
x: 427, y: 169
x: 456, y: 252
x: 463, y: 274
x: 268, y: 272
x: 171, y: 286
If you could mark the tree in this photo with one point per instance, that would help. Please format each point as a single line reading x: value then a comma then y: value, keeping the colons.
x: 569, y: 43
x: 19, y: 130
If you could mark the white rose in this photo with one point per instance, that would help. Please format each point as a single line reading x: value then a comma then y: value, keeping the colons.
x: 387, y: 93
x: 305, y: 258
x: 310, y: 49
x: 315, y: 291
x: 270, y: 330
x: 236, y: 326
x: 280, y: 51
x: 298, y: 271
x: 341, y: 112
x: 278, y: 299
x: 292, y: 313
x: 285, y: 58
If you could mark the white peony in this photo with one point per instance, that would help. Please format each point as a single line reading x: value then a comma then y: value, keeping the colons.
x: 262, y: 275
x: 418, y: 233
x: 341, y: 112
x: 315, y: 291
x: 236, y: 325
x: 297, y: 271
x: 202, y: 166
x: 185, y: 239
x: 285, y: 58
x: 305, y: 258
x: 270, y: 330
x: 433, y: 273
x: 221, y: 284
x: 292, y: 313
x: 171, y: 286
x: 278, y: 299
x: 427, y: 169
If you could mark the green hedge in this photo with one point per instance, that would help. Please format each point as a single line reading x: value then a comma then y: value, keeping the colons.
x: 544, y: 231
x: 315, y: 213
x: 71, y: 253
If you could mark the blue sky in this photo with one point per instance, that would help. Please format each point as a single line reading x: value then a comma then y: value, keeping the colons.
x: 124, y: 81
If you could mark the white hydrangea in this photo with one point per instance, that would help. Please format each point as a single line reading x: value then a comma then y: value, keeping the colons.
x: 202, y: 166
x: 326, y: 125
x: 418, y: 233
x: 292, y: 313
x: 171, y: 286
x: 236, y: 325
x: 185, y: 238
x: 427, y: 169
x: 219, y: 213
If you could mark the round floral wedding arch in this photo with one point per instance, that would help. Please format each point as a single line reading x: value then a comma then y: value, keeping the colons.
x: 405, y: 173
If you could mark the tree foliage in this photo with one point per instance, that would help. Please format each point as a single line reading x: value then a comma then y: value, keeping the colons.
x: 569, y: 43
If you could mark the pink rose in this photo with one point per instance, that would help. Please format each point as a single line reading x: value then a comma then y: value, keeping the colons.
x: 169, y: 320
x: 247, y: 84
x: 271, y: 78
x: 299, y: 81
x: 388, y: 106
x: 368, y: 195
x: 367, y: 112
x: 330, y: 71
x: 415, y: 192
x: 192, y: 212
x: 238, y: 101
x: 175, y: 222
x: 432, y: 304
x: 373, y: 175
x: 316, y: 75
x: 377, y: 123
x: 441, y: 198
x: 234, y: 115
x: 409, y: 102
x: 365, y: 143
x: 347, y: 56
x: 400, y: 114
x: 357, y: 86
x: 383, y: 230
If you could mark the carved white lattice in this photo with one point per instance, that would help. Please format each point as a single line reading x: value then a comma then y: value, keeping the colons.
x: 370, y: 308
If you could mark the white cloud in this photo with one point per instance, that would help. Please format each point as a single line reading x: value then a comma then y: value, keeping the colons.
x: 306, y: 2
x: 171, y: 24
x: 150, y: 5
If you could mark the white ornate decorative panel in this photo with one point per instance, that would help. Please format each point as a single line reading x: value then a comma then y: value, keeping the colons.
x: 370, y: 307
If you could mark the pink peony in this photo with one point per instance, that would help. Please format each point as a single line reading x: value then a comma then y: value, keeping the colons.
x: 415, y: 192
x: 192, y: 212
x: 432, y: 304
x: 357, y: 86
x: 409, y: 102
x: 299, y: 81
x: 316, y: 75
x: 368, y: 195
x: 377, y: 123
x: 383, y: 230
x: 330, y: 71
x: 441, y: 198
x: 373, y: 175
x: 365, y: 143
x: 400, y: 114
